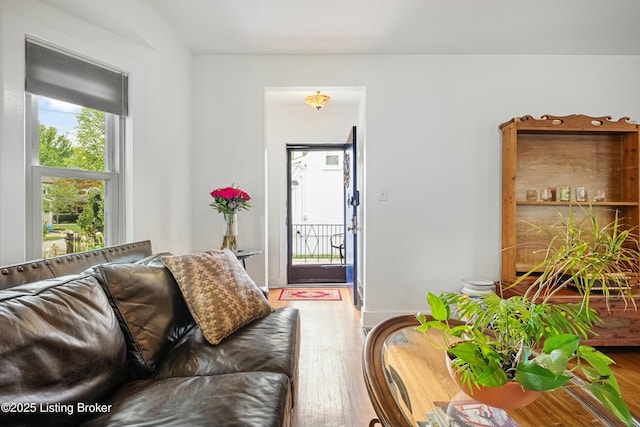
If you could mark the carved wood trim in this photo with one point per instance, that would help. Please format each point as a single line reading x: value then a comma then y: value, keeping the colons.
x: 573, y: 122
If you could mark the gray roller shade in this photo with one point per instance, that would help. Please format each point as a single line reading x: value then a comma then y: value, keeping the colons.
x: 67, y: 78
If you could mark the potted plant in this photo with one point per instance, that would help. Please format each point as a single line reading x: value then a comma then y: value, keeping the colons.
x: 529, y: 341
x: 587, y: 256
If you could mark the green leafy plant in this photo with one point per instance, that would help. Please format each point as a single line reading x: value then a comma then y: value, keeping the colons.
x: 528, y: 339
x: 586, y: 255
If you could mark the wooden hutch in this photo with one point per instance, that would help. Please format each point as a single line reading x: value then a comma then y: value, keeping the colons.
x: 575, y: 161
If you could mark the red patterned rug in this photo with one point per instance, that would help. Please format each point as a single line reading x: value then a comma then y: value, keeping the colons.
x: 310, y: 294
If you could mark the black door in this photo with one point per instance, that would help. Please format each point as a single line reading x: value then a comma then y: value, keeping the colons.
x: 315, y: 219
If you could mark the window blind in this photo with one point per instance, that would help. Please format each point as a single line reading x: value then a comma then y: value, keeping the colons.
x: 61, y: 76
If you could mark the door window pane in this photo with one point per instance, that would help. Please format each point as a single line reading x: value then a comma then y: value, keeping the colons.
x: 316, y: 198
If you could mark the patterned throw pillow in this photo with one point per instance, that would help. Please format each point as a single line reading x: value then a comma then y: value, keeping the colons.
x: 219, y: 293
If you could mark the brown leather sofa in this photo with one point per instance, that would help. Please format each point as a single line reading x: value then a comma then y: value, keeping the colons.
x: 79, y: 345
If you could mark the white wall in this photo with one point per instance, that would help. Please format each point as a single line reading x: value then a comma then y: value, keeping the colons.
x: 432, y: 140
x: 158, y: 175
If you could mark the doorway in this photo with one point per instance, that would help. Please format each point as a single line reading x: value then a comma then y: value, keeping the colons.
x: 315, y: 214
x: 289, y: 121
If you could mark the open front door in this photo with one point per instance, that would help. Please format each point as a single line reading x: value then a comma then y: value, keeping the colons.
x: 352, y: 201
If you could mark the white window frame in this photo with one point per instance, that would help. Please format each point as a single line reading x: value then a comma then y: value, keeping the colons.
x: 113, y: 177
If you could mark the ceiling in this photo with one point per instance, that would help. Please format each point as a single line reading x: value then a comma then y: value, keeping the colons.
x: 354, y: 27
x: 405, y: 26
x: 369, y: 27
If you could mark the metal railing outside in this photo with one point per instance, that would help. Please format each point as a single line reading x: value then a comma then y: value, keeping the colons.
x: 317, y: 243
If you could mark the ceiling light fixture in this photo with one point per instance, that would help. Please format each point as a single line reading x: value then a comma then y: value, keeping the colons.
x: 317, y: 100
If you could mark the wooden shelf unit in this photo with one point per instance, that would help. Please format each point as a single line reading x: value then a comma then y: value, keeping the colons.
x: 555, y: 151
x: 577, y: 150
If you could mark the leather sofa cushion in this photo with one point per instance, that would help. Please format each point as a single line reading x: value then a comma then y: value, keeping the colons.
x: 270, y: 344
x: 219, y: 292
x: 244, y: 399
x: 149, y: 307
x: 60, y: 344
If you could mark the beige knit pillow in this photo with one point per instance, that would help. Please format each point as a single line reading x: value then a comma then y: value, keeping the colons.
x: 219, y: 293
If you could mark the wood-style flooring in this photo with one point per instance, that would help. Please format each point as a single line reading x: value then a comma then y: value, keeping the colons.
x: 331, y: 390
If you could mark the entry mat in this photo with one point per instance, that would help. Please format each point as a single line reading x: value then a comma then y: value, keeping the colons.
x: 310, y: 294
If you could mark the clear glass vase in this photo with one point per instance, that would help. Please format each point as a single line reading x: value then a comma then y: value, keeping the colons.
x: 230, y: 238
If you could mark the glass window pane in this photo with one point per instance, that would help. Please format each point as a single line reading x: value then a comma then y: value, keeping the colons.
x: 71, y: 136
x: 332, y: 160
x: 317, y: 210
x: 72, y: 215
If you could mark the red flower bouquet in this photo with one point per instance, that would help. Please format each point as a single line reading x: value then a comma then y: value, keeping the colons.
x: 229, y: 200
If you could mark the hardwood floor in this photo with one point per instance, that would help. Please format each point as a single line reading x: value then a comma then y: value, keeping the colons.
x: 331, y: 390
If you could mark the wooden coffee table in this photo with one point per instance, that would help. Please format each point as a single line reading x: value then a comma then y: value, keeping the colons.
x: 405, y: 375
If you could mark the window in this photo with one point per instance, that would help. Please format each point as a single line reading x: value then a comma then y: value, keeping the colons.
x: 332, y: 160
x: 75, y: 136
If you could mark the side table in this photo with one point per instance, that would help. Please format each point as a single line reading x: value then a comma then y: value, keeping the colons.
x: 243, y: 254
